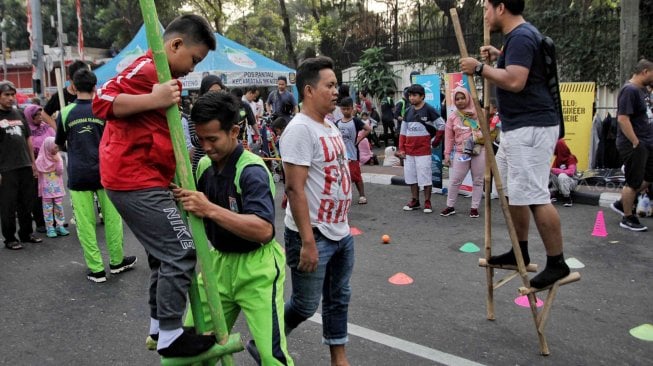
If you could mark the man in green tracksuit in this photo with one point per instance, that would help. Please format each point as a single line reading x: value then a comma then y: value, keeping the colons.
x: 235, y: 198
x: 79, y: 132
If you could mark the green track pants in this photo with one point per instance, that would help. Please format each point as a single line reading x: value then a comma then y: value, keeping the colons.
x: 252, y: 282
x: 84, y: 206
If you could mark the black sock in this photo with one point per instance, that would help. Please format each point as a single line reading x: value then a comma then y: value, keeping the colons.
x: 188, y: 345
x: 509, y: 258
x: 555, y: 269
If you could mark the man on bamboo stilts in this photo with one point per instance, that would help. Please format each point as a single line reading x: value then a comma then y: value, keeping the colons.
x: 530, y: 129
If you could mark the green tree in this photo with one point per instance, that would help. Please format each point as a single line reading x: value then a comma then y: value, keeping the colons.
x: 374, y: 74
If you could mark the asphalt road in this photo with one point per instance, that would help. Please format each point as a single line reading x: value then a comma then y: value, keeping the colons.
x: 50, y: 314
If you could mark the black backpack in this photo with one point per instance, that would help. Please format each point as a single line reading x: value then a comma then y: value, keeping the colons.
x: 552, y: 80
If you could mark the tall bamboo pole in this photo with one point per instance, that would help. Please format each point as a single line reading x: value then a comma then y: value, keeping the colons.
x: 489, y: 271
x: 185, y: 176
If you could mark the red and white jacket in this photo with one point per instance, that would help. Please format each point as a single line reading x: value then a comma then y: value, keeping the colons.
x: 136, y: 151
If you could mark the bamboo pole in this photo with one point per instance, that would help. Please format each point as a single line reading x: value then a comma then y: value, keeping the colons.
x: 185, y: 177
x: 489, y: 272
x: 504, y: 203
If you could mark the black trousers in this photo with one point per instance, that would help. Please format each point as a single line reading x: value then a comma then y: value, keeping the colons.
x: 37, y: 206
x: 16, y: 197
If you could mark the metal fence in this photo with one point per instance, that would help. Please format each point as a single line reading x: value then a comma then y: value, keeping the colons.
x: 587, y: 41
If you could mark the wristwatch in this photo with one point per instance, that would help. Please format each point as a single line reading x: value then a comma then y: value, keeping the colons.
x: 478, y: 70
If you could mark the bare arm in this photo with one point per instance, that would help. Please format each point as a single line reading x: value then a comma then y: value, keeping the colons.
x: 162, y: 96
x: 627, y: 128
x: 49, y: 120
x: 30, y: 151
x: 247, y: 226
x: 296, y: 177
x: 367, y: 129
x: 513, y: 78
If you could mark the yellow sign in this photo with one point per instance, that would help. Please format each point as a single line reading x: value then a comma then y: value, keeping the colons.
x: 577, y: 101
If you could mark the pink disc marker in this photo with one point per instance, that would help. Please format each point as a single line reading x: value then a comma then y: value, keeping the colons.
x: 523, y: 302
x: 400, y: 279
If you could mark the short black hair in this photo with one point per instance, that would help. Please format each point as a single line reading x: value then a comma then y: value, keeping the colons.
x: 643, y: 65
x: 77, y: 65
x: 515, y: 7
x: 220, y: 106
x: 279, y: 123
x: 193, y: 29
x: 283, y: 78
x: 251, y: 89
x: 238, y: 92
x: 365, y: 114
x: 416, y: 89
x: 308, y: 72
x: 84, y: 80
x: 346, y: 102
x: 364, y: 92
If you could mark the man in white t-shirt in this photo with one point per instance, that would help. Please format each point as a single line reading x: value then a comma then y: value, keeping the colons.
x: 318, y: 186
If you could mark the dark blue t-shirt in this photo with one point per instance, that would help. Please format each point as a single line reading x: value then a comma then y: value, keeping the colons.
x: 533, y: 105
x: 256, y: 199
x: 81, y: 133
x: 283, y: 104
x: 631, y: 102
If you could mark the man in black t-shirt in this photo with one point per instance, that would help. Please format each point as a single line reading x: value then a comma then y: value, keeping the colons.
x: 17, y: 170
x: 635, y: 142
x: 69, y: 94
x: 530, y: 129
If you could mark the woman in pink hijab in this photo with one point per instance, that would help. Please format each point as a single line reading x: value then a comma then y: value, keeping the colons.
x: 39, y: 130
x: 463, y: 133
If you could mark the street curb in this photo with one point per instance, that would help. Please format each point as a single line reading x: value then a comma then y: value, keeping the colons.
x: 602, y: 199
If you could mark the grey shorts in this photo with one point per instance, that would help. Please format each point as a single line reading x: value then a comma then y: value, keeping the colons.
x: 524, y: 161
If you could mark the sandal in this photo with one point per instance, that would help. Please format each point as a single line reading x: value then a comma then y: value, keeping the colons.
x: 33, y: 239
x: 13, y: 245
x: 362, y: 200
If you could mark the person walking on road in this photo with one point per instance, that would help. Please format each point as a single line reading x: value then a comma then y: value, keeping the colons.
x: 634, y: 142
x: 319, y: 246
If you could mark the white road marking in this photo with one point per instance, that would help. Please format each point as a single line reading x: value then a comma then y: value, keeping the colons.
x: 403, y: 345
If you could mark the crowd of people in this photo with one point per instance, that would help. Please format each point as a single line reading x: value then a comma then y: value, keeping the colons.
x: 119, y: 153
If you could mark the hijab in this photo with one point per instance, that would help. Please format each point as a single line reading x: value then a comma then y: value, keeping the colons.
x: 563, y: 155
x: 468, y: 113
x: 208, y: 81
x: 38, y: 132
x: 469, y: 108
x: 49, y: 158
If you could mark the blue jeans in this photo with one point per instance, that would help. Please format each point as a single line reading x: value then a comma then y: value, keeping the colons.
x: 331, y: 281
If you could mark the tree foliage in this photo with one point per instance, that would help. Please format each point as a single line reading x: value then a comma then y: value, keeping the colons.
x: 374, y: 74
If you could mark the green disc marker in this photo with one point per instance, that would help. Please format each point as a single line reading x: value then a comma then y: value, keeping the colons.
x: 469, y: 247
x: 643, y: 332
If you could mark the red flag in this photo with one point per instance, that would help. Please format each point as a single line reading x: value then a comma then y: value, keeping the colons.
x: 80, y: 33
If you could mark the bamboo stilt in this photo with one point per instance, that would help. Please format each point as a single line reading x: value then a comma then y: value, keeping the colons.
x: 521, y: 269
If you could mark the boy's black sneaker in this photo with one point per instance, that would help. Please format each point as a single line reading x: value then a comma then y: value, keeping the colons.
x: 632, y: 223
x: 97, y: 277
x: 188, y: 345
x: 253, y: 351
x: 126, y: 264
